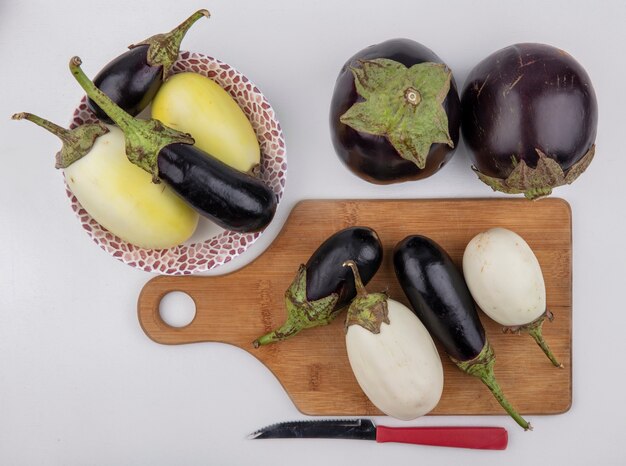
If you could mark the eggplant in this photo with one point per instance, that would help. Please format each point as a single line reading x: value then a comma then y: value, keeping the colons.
x: 232, y: 199
x: 133, y: 78
x: 195, y: 104
x: 440, y: 298
x: 323, y: 286
x: 116, y: 193
x: 506, y: 281
x: 529, y: 119
x: 393, y: 357
x: 395, y: 113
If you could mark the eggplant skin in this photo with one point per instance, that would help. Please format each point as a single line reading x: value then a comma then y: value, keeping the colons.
x: 373, y: 158
x: 439, y: 296
x: 325, y: 273
x: 526, y: 97
x: 232, y: 199
x: 129, y: 81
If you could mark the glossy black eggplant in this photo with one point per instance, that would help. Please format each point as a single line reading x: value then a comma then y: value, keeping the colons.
x: 440, y: 298
x: 326, y: 273
x: 375, y: 151
x: 324, y: 286
x: 133, y: 78
x: 234, y: 200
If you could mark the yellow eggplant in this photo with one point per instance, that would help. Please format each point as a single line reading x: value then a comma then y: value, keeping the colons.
x: 119, y: 195
x: 194, y: 104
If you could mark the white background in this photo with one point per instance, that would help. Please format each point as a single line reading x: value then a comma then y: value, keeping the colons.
x: 79, y: 381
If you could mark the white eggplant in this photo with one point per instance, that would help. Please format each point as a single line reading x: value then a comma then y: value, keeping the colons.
x: 392, y: 355
x: 506, y: 281
x: 119, y: 195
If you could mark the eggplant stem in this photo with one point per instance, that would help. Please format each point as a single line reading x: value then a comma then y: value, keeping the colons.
x: 482, y: 367
x: 369, y: 311
x: 77, y: 142
x: 290, y: 328
x: 144, y: 138
x: 183, y: 27
x: 60, y: 132
x: 360, y: 288
x: 163, y: 49
x: 299, y: 319
x: 119, y: 116
x: 535, y: 331
x: 301, y: 313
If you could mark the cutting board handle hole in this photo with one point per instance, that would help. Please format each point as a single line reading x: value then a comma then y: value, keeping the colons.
x: 177, y: 309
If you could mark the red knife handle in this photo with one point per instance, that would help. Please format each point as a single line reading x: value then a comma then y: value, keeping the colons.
x: 483, y: 438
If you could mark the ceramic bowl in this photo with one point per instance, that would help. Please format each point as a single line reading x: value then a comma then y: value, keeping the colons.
x: 210, y: 246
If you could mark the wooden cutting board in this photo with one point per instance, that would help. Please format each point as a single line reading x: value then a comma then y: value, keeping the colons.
x: 313, y: 366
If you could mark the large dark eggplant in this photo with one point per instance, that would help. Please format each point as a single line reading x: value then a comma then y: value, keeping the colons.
x: 395, y: 113
x: 232, y: 199
x: 529, y: 119
x: 440, y: 298
x: 324, y: 286
x: 133, y: 78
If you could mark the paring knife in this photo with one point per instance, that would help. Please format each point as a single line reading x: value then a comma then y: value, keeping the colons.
x: 483, y: 438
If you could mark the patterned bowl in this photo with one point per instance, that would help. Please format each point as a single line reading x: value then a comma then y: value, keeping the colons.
x: 210, y: 246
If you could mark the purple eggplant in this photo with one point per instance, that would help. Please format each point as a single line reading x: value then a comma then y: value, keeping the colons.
x: 324, y: 286
x: 529, y: 119
x: 132, y: 79
x: 232, y: 199
x: 440, y: 298
x: 395, y: 113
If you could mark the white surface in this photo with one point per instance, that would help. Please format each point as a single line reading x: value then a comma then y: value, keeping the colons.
x: 79, y: 381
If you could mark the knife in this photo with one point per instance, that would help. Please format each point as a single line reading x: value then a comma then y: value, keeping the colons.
x: 483, y: 438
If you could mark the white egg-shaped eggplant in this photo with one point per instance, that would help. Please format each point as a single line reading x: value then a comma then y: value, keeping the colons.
x: 118, y: 194
x: 506, y: 281
x: 392, y: 355
x: 122, y: 198
x: 504, y: 277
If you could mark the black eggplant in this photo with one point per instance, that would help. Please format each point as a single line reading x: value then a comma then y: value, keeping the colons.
x: 230, y: 198
x: 529, y: 119
x: 133, y: 78
x: 395, y: 112
x: 440, y: 298
x: 324, y: 286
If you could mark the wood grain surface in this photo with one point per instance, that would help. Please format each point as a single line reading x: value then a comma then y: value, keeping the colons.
x: 313, y: 366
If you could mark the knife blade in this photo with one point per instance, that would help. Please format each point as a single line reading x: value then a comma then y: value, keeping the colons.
x: 483, y: 438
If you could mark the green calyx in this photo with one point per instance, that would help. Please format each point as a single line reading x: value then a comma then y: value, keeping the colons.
x: 163, y: 48
x: 537, y: 182
x: 301, y: 313
x: 369, y: 310
x: 144, y: 138
x: 534, y: 329
x: 482, y: 367
x: 403, y: 104
x: 77, y: 142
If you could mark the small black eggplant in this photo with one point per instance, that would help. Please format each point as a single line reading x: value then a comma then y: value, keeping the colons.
x: 440, y: 298
x: 324, y: 286
x: 132, y: 79
x: 230, y: 198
